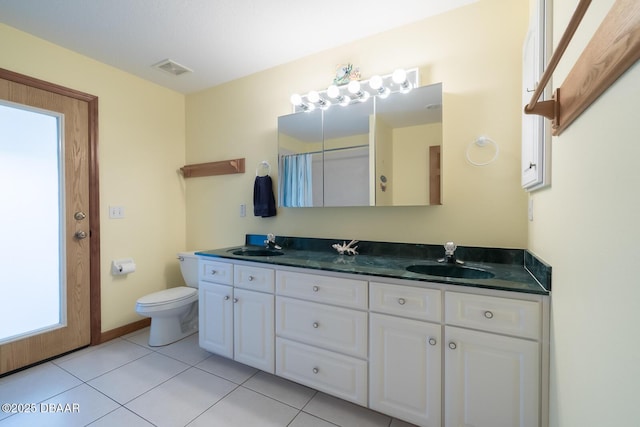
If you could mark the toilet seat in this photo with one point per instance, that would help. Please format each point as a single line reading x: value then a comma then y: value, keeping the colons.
x: 178, y: 296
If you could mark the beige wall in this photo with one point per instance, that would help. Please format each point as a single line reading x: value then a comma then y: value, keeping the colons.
x: 141, y: 145
x: 586, y: 227
x: 474, y: 51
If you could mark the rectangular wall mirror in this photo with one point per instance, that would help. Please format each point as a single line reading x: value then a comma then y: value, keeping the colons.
x: 380, y: 152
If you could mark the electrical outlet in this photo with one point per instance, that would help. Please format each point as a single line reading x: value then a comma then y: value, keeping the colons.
x: 116, y: 212
x: 530, y: 209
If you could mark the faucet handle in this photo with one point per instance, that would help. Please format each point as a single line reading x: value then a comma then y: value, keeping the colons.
x: 450, y: 248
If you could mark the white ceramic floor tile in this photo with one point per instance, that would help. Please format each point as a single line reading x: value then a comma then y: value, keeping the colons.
x: 133, y: 379
x: 35, y: 385
x: 186, y: 350
x: 121, y: 417
x: 181, y: 399
x: 343, y: 413
x: 285, y: 391
x: 140, y: 337
x: 243, y: 408
x: 305, y: 420
x: 227, y: 368
x: 76, y: 407
x: 105, y: 359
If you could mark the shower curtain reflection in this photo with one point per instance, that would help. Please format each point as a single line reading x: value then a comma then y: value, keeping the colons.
x: 296, y: 182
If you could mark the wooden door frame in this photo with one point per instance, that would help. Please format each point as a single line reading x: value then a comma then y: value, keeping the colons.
x: 94, y: 195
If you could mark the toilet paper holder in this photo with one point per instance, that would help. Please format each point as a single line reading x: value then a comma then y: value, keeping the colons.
x: 122, y: 266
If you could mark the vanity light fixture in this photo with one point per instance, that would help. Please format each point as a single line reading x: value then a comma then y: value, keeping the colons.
x: 315, y: 98
x: 400, y: 80
x: 296, y: 100
x: 399, y: 77
x: 334, y: 92
x: 354, y: 88
x: 377, y: 84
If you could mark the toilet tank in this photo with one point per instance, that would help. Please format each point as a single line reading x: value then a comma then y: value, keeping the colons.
x: 189, y: 268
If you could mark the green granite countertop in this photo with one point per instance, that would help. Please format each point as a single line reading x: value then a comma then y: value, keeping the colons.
x: 512, y: 271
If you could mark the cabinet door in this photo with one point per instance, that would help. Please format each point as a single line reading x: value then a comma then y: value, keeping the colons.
x: 405, y: 369
x: 215, y: 318
x: 254, y: 329
x: 490, y: 380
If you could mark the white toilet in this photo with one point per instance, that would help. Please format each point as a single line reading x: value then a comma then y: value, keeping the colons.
x: 173, y: 311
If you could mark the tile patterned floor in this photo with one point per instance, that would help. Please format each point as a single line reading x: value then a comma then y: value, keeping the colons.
x: 124, y: 382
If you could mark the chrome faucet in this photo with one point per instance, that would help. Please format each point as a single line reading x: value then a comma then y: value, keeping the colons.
x: 450, y: 254
x: 270, y: 243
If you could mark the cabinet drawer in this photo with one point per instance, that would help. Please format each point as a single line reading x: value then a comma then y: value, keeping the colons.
x: 494, y: 314
x: 315, y: 287
x: 406, y: 301
x: 215, y: 272
x: 341, y: 376
x: 253, y: 278
x: 333, y: 328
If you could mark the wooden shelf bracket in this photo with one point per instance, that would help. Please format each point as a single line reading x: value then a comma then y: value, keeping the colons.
x: 223, y: 167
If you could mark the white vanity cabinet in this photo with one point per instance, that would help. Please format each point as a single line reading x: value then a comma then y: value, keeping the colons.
x: 215, y: 307
x: 238, y: 321
x: 405, y: 374
x: 492, y: 359
x: 321, y: 333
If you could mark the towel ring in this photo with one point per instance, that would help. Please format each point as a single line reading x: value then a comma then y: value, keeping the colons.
x: 263, y: 169
x: 482, y: 142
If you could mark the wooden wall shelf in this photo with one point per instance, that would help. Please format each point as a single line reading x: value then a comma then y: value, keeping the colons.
x: 223, y: 167
x: 614, y: 47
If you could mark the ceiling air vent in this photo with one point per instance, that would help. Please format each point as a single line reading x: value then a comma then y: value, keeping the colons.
x: 172, y: 67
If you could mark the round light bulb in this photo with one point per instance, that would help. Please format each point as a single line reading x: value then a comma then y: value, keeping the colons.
x: 296, y: 99
x: 354, y: 86
x: 375, y: 82
x: 313, y: 96
x: 333, y: 91
x: 345, y: 101
x: 399, y: 76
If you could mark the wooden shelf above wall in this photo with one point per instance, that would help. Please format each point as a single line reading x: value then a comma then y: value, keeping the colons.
x: 224, y: 167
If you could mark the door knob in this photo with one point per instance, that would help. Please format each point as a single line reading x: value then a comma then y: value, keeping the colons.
x: 80, y: 235
x: 79, y: 216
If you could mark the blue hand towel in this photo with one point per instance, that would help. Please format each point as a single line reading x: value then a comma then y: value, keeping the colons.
x: 264, y: 202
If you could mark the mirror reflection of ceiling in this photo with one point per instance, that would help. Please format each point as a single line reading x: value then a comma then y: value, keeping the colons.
x: 219, y: 40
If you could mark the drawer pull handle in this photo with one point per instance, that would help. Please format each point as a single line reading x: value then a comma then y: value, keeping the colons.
x: 250, y: 278
x: 213, y: 272
x: 488, y: 314
x: 235, y: 300
x: 401, y: 301
x: 316, y: 324
x: 226, y: 297
x: 432, y: 341
x: 316, y: 289
x: 316, y: 370
x: 452, y: 345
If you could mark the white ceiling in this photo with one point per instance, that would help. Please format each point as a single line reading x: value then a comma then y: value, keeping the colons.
x: 220, y: 40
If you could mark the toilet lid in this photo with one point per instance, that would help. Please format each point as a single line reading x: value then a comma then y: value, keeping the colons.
x: 168, y: 295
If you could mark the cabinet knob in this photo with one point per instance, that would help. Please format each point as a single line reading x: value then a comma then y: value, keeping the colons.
x: 316, y: 324
x: 316, y: 370
x: 213, y: 272
x: 226, y: 297
x: 250, y: 278
x: 488, y: 314
x: 452, y: 345
x: 235, y: 300
x: 401, y: 301
x: 316, y: 289
x: 432, y: 341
